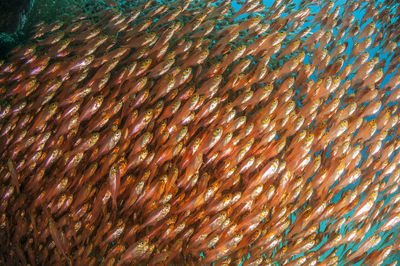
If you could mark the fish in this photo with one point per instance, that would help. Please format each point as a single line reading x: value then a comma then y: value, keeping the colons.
x: 203, y: 132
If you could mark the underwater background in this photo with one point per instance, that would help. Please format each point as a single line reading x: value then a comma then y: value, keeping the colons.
x: 359, y: 13
x: 19, y: 31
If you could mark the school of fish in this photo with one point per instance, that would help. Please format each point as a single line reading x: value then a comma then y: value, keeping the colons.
x: 191, y: 133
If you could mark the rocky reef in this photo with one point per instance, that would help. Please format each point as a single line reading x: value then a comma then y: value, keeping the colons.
x: 14, y: 14
x: 19, y: 16
x: 13, y: 18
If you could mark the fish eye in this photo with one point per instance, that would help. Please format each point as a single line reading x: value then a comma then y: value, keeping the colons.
x: 75, y: 116
x: 176, y: 103
x: 242, y: 119
x: 171, y: 55
x: 265, y: 121
x: 171, y: 80
x: 228, y: 135
x: 144, y: 50
x: 217, y: 132
x: 114, y: 168
x: 195, y: 98
x: 143, y: 154
x: 164, y: 178
x: 268, y: 87
x: 94, y: 137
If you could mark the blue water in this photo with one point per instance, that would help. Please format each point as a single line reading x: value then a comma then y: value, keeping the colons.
x: 372, y: 52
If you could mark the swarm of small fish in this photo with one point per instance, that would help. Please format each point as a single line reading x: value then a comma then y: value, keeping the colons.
x: 191, y: 133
